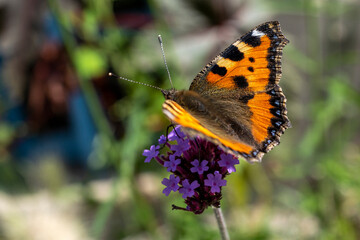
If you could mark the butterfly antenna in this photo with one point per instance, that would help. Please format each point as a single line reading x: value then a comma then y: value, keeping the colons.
x: 129, y: 80
x: 163, y: 54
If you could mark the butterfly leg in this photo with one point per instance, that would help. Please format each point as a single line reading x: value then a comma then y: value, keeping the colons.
x: 167, y: 133
x: 173, y: 125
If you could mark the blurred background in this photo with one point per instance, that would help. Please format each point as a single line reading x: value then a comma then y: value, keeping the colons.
x: 71, y: 138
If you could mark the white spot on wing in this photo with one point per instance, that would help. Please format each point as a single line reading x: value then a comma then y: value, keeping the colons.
x: 168, y: 114
x: 256, y: 33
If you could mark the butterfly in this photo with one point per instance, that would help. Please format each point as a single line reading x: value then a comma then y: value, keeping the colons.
x: 235, y: 101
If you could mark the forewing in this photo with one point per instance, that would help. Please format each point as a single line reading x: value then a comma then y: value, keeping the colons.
x: 246, y: 75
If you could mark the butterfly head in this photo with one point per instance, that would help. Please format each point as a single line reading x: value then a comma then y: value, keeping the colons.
x: 169, y: 94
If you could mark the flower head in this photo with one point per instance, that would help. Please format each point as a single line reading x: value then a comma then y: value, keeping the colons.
x: 228, y: 161
x: 199, y: 181
x: 150, y: 154
x: 172, y: 184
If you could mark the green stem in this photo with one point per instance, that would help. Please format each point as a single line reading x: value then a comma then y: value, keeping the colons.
x: 221, y: 223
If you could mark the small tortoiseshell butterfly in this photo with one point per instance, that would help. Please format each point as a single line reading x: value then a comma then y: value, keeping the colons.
x: 235, y: 101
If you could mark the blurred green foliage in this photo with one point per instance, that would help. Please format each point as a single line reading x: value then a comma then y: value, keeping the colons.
x: 306, y: 188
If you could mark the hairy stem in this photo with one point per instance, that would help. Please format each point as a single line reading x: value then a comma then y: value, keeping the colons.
x: 221, y: 223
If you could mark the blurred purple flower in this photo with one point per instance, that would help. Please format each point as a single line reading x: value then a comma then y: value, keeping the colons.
x: 215, y: 182
x: 228, y: 161
x: 150, y: 154
x: 188, y: 189
x: 199, y: 168
x: 162, y: 140
x: 172, y: 184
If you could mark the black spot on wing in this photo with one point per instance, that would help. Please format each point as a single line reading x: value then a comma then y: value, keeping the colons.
x: 272, y: 77
x: 245, y: 99
x: 277, y: 123
x: 272, y: 132
x: 216, y: 69
x: 233, y: 53
x: 277, y: 112
x: 250, y: 40
x: 255, y: 153
x: 240, y: 81
x: 265, y: 28
x: 272, y: 92
x: 277, y: 99
x: 266, y: 143
x: 251, y: 59
x: 251, y: 69
x: 245, y: 155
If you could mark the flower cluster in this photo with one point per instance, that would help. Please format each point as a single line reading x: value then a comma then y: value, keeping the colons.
x: 197, y: 167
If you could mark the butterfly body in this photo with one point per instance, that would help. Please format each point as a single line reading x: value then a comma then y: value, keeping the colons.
x: 235, y: 101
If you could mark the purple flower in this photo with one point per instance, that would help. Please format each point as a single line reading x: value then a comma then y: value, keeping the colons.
x: 182, y: 146
x: 176, y: 134
x: 188, y: 189
x: 162, y: 140
x: 172, y: 163
x: 215, y: 182
x: 199, y: 168
x: 228, y: 161
x: 172, y: 184
x: 198, y: 181
x: 149, y: 154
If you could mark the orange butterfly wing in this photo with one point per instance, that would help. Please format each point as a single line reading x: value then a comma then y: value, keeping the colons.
x: 247, y: 74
